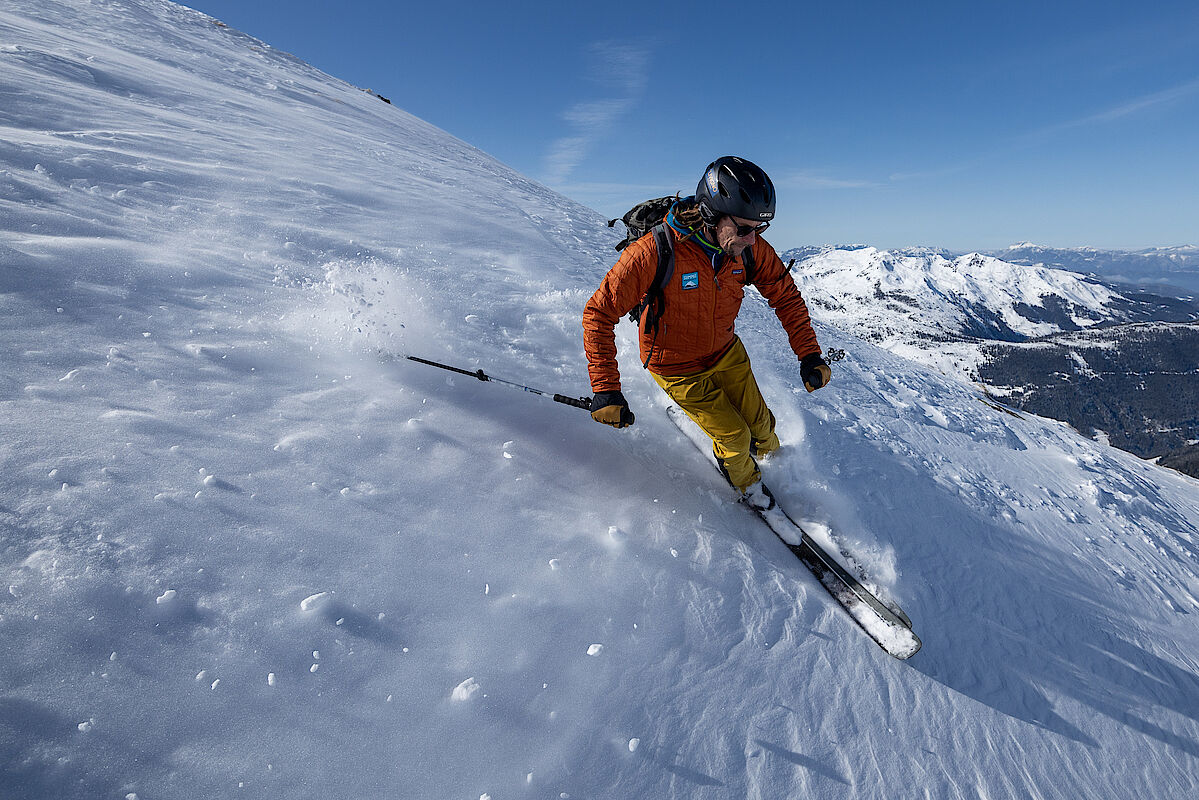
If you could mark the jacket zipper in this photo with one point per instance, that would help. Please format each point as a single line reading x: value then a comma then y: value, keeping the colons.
x: 717, y: 264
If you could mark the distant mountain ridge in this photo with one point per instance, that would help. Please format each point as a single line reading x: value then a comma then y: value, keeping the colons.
x: 1156, y: 266
x: 929, y: 300
x: 1029, y: 333
x: 1162, y: 269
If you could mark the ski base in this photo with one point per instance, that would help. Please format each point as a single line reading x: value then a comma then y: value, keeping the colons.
x: 888, y: 626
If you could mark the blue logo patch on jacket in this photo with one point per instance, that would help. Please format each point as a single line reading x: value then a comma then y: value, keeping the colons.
x: 690, y: 280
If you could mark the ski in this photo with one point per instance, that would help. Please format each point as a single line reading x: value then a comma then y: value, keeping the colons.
x: 889, y: 628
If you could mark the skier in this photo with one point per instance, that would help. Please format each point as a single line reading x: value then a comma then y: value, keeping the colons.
x: 687, y: 341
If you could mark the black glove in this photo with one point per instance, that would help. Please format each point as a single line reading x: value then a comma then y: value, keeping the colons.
x: 611, y: 408
x: 815, y: 372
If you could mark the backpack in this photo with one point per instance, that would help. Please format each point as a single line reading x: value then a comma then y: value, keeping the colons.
x: 641, y: 218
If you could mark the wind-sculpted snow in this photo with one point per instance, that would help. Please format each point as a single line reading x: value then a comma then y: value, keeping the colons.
x: 250, y: 551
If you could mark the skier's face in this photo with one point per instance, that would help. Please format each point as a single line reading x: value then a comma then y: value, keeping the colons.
x: 728, y: 237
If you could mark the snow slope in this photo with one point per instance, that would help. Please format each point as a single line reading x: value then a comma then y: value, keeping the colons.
x: 250, y: 551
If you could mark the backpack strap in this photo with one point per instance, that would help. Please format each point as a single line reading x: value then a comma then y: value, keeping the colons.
x: 654, y: 303
x: 665, y: 243
x: 747, y: 258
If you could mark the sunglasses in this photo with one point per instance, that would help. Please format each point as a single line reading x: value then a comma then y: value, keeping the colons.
x: 746, y: 230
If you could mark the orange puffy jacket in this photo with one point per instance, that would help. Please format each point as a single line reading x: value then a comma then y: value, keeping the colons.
x: 696, y: 328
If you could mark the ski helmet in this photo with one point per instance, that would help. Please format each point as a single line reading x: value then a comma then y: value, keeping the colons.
x: 735, y: 187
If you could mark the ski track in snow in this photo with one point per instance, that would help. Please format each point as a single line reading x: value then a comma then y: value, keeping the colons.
x: 248, y: 550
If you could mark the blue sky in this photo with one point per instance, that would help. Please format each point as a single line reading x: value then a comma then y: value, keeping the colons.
x: 959, y: 125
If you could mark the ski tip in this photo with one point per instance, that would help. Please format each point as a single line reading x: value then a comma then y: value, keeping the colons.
x: 902, y: 646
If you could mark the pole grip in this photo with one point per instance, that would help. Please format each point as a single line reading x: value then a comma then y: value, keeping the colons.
x: 577, y: 402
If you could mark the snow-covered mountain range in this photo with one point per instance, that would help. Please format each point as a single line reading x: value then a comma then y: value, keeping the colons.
x: 936, y: 307
x: 970, y: 316
x: 1157, y: 268
x: 249, y: 550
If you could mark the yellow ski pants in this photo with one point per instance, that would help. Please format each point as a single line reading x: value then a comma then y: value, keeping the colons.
x: 727, y: 405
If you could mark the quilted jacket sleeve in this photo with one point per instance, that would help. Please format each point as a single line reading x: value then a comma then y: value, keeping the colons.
x: 774, y: 281
x: 622, y: 288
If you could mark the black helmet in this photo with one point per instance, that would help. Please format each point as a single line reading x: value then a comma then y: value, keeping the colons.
x: 735, y: 187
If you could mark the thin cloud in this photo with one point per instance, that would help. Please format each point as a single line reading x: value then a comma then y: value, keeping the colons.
x: 621, y: 70
x: 939, y: 172
x: 1018, y: 142
x: 564, y: 155
x: 619, y: 188
x: 599, y: 112
x: 1147, y: 102
x: 808, y: 180
x: 1127, y: 109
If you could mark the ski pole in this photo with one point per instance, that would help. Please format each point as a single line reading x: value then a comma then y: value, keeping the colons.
x: 577, y: 402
